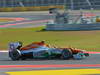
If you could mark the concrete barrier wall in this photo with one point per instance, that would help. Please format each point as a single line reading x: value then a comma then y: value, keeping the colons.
x: 54, y: 27
x: 35, y: 8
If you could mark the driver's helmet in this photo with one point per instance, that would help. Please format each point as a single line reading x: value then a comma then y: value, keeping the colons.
x: 43, y: 41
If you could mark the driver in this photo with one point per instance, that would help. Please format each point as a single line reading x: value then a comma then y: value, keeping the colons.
x: 34, y: 45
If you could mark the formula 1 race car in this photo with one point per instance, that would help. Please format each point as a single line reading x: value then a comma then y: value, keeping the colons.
x: 16, y: 52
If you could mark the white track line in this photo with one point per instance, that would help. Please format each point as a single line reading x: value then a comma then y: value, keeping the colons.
x: 2, y: 51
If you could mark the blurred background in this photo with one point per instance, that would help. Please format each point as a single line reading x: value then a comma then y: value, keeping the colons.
x: 17, y: 5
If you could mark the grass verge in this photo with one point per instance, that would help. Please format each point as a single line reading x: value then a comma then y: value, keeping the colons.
x: 89, y: 40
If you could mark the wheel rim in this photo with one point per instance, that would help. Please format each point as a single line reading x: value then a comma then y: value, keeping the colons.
x: 15, y: 55
x: 66, y: 54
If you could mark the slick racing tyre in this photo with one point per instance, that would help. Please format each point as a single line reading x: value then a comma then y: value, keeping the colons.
x: 15, y: 55
x: 66, y: 54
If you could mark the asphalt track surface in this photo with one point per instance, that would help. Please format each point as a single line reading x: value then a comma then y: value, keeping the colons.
x: 31, y: 20
x: 7, y: 65
x: 5, y: 60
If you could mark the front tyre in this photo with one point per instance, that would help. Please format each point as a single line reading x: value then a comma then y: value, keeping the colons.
x: 15, y: 55
x: 86, y: 54
x: 66, y: 54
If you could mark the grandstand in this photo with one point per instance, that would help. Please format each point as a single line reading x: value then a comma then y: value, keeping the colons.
x: 71, y: 4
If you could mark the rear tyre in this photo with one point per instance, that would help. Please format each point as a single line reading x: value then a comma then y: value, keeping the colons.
x: 66, y: 54
x: 15, y: 55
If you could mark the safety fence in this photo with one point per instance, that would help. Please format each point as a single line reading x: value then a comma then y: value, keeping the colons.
x: 71, y: 4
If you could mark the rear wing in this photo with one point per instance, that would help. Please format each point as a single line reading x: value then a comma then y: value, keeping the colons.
x: 14, y: 46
